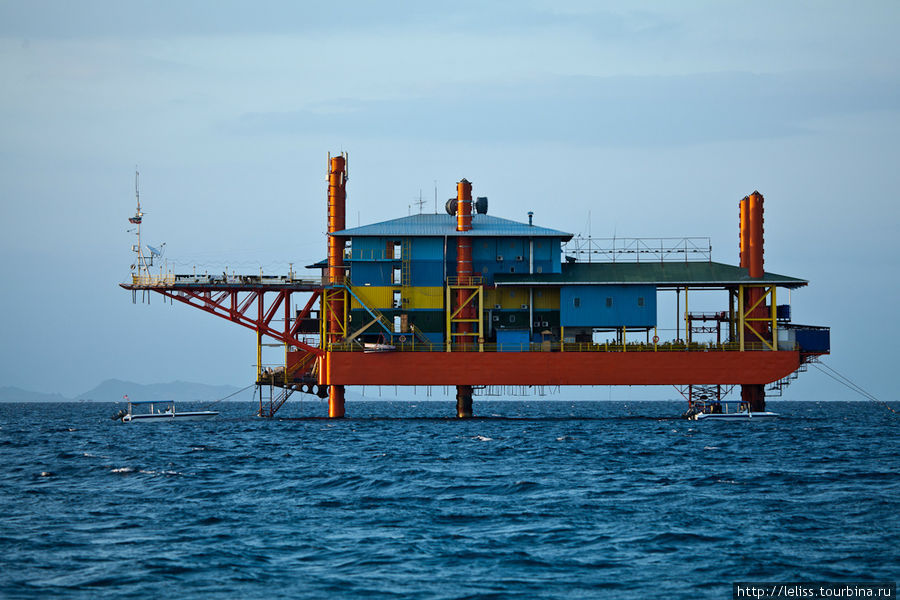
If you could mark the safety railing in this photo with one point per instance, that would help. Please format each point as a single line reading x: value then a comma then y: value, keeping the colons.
x: 589, y: 249
x: 465, y: 281
x: 153, y: 280
x: 409, y: 346
x: 231, y: 279
x: 368, y: 255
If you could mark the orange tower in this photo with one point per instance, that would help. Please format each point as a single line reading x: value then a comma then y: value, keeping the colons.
x: 751, y: 255
x: 337, y: 198
x: 464, y: 277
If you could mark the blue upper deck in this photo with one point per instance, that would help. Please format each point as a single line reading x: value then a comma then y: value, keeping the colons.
x: 427, y: 242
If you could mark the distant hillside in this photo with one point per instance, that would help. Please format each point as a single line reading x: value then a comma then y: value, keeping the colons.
x: 14, y: 394
x: 112, y: 390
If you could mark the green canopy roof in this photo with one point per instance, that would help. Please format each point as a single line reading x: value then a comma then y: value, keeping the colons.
x: 661, y: 274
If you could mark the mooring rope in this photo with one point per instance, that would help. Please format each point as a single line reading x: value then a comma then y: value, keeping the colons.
x: 214, y: 402
x: 848, y: 383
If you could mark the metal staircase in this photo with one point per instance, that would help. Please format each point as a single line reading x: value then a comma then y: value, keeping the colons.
x: 420, y: 335
x: 776, y: 389
x: 268, y: 408
x: 386, y: 324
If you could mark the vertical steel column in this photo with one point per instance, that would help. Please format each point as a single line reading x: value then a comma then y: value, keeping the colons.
x: 337, y: 197
x: 464, y: 277
x: 751, y: 211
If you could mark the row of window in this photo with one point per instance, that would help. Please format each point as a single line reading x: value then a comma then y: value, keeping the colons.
x: 576, y: 301
x: 397, y: 277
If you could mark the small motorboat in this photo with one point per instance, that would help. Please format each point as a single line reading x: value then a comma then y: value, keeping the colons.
x: 160, y: 410
x: 725, y: 411
x: 738, y: 416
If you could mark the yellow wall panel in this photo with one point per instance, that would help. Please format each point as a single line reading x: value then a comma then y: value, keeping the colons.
x: 490, y: 297
x: 546, y: 299
x: 382, y: 297
x: 514, y: 298
x: 374, y: 296
x: 424, y: 297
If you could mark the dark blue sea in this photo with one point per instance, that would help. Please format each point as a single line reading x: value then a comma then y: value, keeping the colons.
x: 534, y: 499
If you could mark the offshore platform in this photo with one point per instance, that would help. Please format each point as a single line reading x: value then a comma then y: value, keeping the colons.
x: 471, y: 300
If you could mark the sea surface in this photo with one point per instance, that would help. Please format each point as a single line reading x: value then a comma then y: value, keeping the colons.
x: 534, y: 499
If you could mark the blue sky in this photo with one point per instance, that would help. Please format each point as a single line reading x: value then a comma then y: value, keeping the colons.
x: 654, y: 117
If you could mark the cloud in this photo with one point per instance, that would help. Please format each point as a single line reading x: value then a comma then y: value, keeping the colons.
x: 602, y: 111
x: 140, y: 18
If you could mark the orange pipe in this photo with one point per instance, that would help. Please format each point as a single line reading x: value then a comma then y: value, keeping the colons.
x: 463, y: 206
x: 751, y: 254
x: 464, y: 257
x: 755, y: 235
x: 337, y: 198
x: 744, y: 206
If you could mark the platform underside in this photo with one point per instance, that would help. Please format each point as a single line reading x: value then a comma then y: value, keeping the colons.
x: 556, y: 368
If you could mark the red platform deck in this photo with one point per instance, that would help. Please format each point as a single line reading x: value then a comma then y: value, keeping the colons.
x: 556, y: 368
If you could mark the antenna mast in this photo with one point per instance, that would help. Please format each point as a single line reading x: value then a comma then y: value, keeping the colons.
x: 140, y: 267
x: 420, y: 202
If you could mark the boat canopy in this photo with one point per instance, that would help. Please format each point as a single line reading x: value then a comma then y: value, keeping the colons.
x: 152, y: 401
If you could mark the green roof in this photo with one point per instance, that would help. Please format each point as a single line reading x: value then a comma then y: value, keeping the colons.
x: 665, y: 274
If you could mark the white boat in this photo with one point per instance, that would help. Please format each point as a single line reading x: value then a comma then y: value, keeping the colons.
x: 738, y: 416
x: 725, y: 411
x: 161, y: 410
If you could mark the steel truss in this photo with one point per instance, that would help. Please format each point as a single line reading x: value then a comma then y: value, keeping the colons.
x: 236, y: 305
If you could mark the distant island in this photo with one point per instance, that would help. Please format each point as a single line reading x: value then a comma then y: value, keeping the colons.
x: 112, y: 390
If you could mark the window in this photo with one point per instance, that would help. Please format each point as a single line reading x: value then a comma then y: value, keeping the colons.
x: 398, y: 251
x: 608, y: 302
x: 396, y: 277
x: 397, y: 302
x: 640, y: 300
x: 576, y: 302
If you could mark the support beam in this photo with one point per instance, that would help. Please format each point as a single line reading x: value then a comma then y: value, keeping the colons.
x: 226, y: 305
x: 359, y: 331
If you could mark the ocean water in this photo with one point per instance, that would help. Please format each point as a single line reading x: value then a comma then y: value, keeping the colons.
x: 535, y: 499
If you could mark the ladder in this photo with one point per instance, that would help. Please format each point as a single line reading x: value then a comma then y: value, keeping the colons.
x: 777, y: 388
x: 275, y: 401
x: 405, y: 264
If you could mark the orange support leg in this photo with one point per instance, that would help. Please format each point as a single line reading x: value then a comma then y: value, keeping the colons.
x: 754, y: 396
x: 335, y: 401
x: 463, y: 401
